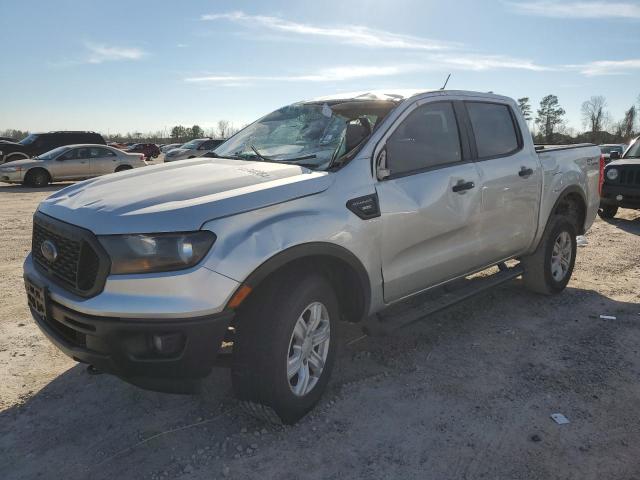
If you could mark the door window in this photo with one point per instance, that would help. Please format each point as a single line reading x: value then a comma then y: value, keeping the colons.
x: 70, y: 155
x: 493, y: 129
x: 97, y: 152
x: 427, y: 138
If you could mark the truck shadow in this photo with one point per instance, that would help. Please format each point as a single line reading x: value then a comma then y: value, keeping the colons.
x: 16, y: 188
x: 626, y: 224
x: 82, y: 426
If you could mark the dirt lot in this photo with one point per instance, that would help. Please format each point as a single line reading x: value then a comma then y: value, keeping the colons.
x: 466, y: 394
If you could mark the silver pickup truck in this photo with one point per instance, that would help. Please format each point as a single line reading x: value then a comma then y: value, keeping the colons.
x: 349, y: 207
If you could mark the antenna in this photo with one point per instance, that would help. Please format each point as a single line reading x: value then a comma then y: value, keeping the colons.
x: 445, y: 82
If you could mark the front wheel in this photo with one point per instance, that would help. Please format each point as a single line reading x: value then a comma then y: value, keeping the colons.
x: 608, y: 211
x: 37, y: 177
x: 285, y: 346
x: 548, y: 270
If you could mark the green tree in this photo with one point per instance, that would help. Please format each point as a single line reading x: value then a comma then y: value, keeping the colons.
x: 525, y: 107
x: 628, y: 123
x: 549, y: 117
x: 196, y: 132
x: 179, y: 133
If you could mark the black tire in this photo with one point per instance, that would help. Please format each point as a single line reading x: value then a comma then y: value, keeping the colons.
x: 608, y: 211
x: 538, y: 275
x: 37, y: 177
x: 122, y: 168
x: 262, y: 346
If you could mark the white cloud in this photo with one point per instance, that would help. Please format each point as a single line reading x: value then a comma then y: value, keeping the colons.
x: 607, y: 67
x: 559, y: 9
x: 351, y: 34
x: 99, y: 53
x: 477, y: 62
x: 335, y: 74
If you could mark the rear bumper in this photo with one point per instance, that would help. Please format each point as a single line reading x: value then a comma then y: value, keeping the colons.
x: 629, y: 197
x: 169, y: 355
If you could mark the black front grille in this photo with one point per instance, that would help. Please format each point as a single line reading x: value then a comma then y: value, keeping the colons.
x: 629, y: 176
x: 80, y: 265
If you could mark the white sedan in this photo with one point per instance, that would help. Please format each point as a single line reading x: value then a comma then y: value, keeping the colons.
x: 71, y: 162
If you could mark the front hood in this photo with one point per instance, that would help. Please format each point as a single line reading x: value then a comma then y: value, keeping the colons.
x: 6, y: 146
x: 624, y: 161
x: 178, y: 151
x: 180, y: 196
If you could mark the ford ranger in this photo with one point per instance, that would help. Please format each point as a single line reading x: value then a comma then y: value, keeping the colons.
x: 347, y: 207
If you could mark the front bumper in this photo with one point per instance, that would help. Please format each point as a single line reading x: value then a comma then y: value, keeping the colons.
x: 163, y: 355
x: 161, y: 332
x: 630, y: 197
x: 11, y: 177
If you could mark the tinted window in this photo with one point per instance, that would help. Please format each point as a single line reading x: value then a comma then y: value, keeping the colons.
x: 70, y: 155
x: 428, y: 137
x: 493, y: 128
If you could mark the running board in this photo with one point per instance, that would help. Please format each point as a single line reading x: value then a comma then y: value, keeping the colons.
x: 421, y: 306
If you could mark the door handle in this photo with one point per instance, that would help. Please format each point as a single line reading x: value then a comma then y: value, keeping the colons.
x: 525, y: 172
x: 462, y: 186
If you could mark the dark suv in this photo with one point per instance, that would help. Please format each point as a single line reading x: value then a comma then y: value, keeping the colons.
x: 39, y: 143
x: 621, y: 187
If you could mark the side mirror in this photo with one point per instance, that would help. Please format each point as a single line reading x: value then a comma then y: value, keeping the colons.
x: 615, y: 155
x: 382, y: 171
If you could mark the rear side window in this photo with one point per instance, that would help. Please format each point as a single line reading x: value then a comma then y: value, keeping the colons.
x: 427, y: 138
x: 494, y: 129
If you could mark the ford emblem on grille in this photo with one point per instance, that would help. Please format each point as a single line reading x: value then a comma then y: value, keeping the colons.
x: 49, y: 251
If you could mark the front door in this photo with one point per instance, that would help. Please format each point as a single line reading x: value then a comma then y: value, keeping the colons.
x: 430, y: 203
x: 73, y: 164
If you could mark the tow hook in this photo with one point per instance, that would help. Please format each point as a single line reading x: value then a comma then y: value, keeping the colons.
x: 91, y: 370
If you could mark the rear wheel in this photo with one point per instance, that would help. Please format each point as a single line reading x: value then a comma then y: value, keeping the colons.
x: 608, y: 211
x: 282, y: 361
x: 122, y: 168
x: 548, y: 270
x: 37, y: 177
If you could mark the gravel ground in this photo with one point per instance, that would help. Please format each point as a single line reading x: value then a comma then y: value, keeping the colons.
x: 466, y: 394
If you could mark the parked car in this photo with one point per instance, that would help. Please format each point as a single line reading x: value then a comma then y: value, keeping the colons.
x: 341, y: 208
x: 71, y: 162
x: 118, y: 145
x: 621, y: 187
x: 8, y: 139
x: 39, y: 143
x: 149, y: 150
x: 194, y: 148
x: 170, y: 146
x: 607, y: 148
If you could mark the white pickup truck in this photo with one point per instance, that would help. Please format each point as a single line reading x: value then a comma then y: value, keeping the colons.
x: 341, y: 208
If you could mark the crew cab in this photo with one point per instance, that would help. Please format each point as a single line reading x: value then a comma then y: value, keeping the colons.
x: 38, y: 143
x: 621, y: 187
x: 351, y: 207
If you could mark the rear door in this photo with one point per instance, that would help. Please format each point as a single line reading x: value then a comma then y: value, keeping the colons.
x: 103, y: 161
x: 430, y: 202
x: 510, y: 177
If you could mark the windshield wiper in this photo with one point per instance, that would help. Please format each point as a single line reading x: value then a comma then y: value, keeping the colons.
x: 288, y: 160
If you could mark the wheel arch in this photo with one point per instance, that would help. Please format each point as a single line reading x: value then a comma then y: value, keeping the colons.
x: 344, y: 270
x: 12, y: 156
x: 573, y: 204
x: 36, y: 168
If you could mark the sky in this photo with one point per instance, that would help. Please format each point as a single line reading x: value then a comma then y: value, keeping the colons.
x: 140, y: 65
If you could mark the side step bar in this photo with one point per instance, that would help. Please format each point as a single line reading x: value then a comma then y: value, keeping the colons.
x: 417, y: 308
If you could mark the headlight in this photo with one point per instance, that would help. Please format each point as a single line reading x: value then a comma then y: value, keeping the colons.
x: 10, y: 169
x: 156, y: 252
x: 612, y: 173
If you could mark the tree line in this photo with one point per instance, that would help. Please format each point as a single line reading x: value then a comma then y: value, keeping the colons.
x: 177, y: 134
x: 549, y: 125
